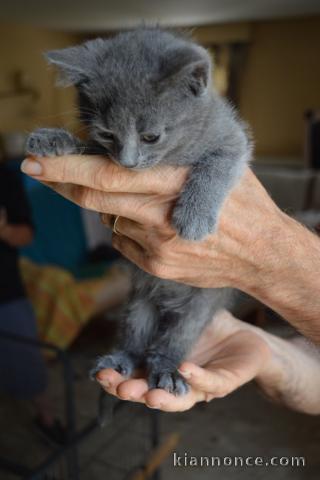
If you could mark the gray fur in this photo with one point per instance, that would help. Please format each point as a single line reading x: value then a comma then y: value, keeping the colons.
x: 149, y: 81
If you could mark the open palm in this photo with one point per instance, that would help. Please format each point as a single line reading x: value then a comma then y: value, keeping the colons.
x: 229, y: 354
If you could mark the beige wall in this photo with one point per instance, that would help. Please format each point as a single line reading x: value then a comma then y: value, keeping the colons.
x: 281, y: 79
x: 21, y: 49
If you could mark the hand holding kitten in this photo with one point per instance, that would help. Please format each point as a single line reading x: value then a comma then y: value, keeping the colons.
x: 252, y: 251
x: 144, y: 200
x: 229, y: 354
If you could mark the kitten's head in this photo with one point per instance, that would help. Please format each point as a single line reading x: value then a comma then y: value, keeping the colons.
x: 142, y: 93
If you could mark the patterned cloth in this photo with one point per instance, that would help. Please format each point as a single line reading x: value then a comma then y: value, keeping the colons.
x: 62, y: 304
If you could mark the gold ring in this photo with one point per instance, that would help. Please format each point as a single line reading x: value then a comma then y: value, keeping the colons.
x: 114, y: 226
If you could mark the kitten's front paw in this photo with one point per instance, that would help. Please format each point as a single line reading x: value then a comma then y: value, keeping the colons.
x: 192, y: 224
x: 120, y: 361
x: 51, y: 142
x: 171, y: 382
x: 162, y: 373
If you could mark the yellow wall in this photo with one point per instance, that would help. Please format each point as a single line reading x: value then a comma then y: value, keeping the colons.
x: 281, y: 79
x: 21, y: 49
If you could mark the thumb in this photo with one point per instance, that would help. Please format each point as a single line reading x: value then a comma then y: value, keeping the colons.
x: 208, y: 380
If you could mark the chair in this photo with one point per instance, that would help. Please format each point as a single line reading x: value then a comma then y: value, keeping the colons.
x: 69, y: 451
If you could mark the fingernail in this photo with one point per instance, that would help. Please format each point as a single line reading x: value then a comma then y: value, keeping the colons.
x: 30, y: 167
x: 209, y: 397
x: 158, y: 407
x: 127, y: 398
x: 105, y: 383
x: 185, y: 373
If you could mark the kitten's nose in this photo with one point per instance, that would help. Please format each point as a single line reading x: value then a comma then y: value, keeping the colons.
x: 128, y: 162
x: 128, y: 155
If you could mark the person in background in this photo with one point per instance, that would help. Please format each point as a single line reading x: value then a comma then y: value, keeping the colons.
x: 22, y: 367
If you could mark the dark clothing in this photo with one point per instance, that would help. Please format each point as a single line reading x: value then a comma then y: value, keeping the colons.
x: 14, y: 200
x: 22, y: 369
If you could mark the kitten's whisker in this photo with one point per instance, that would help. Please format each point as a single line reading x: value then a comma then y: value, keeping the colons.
x: 66, y: 112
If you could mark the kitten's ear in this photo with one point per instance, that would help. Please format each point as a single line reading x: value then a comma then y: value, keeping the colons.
x: 70, y: 63
x: 197, y: 76
x: 190, y: 68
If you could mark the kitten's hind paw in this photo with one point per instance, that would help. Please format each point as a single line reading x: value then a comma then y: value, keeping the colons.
x: 120, y: 361
x: 172, y: 382
x: 50, y: 142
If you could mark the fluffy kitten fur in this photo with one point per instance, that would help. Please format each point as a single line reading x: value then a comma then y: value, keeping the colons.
x: 146, y: 98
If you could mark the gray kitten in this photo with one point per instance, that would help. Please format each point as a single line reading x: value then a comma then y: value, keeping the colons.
x: 146, y: 98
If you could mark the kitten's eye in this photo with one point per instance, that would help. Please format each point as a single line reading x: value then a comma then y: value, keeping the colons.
x: 149, y: 138
x: 107, y: 136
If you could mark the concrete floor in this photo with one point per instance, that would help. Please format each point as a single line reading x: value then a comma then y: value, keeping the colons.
x: 243, y: 424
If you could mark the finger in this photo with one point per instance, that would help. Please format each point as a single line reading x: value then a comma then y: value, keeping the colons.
x: 107, y: 219
x: 109, y: 380
x: 124, y: 226
x: 144, y: 209
x: 137, y: 232
x: 133, y: 390
x: 205, y: 380
x: 100, y: 173
x: 150, y: 263
x: 136, y: 254
x: 167, y: 402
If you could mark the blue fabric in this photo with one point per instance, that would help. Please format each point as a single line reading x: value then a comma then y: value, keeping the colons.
x: 59, y: 232
x: 22, y: 367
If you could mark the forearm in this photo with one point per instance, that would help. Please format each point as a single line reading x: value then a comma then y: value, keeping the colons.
x: 17, y: 235
x: 291, y: 376
x: 287, y: 275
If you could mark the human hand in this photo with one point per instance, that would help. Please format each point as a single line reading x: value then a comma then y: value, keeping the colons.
x: 145, y: 199
x: 256, y: 249
x: 228, y: 355
x: 14, y: 235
